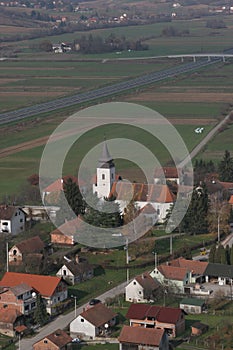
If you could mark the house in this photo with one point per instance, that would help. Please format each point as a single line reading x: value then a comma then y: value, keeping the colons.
x: 199, y: 328
x: 141, y: 289
x: 106, y: 185
x: 66, y: 233
x: 93, y: 322
x: 193, y: 305
x: 57, y: 340
x: 172, y: 277
x: 196, y: 268
x: 139, y: 338
x: 9, y: 320
x: 20, y: 250
x: 52, y: 289
x: 12, y: 219
x: 57, y: 186
x: 76, y: 271
x: 21, y: 297
x: 172, y: 320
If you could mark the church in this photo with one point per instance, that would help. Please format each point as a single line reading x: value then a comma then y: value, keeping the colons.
x: 152, y: 199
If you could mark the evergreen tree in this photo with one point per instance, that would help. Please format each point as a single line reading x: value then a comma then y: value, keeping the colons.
x: 212, y: 254
x: 228, y: 255
x: 226, y: 167
x: 40, y: 314
x: 74, y: 196
x: 195, y: 220
x: 104, y: 213
x: 231, y: 255
x: 222, y: 255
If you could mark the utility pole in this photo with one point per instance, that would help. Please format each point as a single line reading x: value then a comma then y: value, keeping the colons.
x: 171, y: 244
x: 7, y: 261
x: 127, y: 259
x: 75, y: 305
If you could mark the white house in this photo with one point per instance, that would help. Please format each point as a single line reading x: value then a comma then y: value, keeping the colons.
x: 141, y: 289
x: 76, y: 271
x: 12, y: 219
x: 172, y: 277
x: 95, y: 321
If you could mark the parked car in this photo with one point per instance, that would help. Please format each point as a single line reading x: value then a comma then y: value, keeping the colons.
x: 94, y: 302
x: 76, y: 340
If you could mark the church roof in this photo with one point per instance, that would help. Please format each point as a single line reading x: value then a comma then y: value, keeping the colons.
x: 105, y: 156
x: 142, y: 192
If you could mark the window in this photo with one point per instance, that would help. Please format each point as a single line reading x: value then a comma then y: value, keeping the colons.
x: 45, y: 341
x: 14, y: 252
x: 140, y: 292
x: 82, y: 319
x: 16, y: 214
x: 103, y: 176
x: 5, y: 223
x: 134, y: 283
x: 21, y: 220
x: 64, y: 272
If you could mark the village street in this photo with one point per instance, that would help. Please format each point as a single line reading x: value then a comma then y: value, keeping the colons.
x: 63, y: 320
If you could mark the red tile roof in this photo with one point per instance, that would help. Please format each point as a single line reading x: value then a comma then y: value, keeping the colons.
x: 57, y: 185
x: 98, y: 315
x: 196, y: 267
x: 141, y: 336
x: 60, y: 338
x: 45, y: 285
x: 159, y: 313
x: 9, y: 315
x: 31, y: 245
x: 142, y: 192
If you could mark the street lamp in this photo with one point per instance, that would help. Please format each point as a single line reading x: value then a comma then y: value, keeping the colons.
x: 75, y: 305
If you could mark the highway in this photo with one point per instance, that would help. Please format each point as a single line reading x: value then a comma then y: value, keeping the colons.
x: 105, y: 91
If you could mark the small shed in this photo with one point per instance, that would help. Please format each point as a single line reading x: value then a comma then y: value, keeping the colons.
x: 199, y: 328
x: 193, y: 305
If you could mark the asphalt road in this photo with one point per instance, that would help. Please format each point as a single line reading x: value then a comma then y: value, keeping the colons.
x: 63, y: 320
x: 105, y: 91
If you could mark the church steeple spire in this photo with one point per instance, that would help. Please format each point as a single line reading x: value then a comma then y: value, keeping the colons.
x: 105, y: 158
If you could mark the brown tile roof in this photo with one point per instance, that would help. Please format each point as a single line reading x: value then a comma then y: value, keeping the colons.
x: 7, y: 211
x: 45, y: 285
x: 172, y: 272
x: 98, y: 315
x: 142, y: 192
x: 231, y: 200
x: 159, y: 313
x: 196, y: 267
x: 167, y: 172
x: 9, y: 315
x: 77, y: 268
x: 21, y: 328
x: 69, y: 228
x: 31, y: 245
x: 141, y: 336
x: 59, y: 338
x: 147, y: 282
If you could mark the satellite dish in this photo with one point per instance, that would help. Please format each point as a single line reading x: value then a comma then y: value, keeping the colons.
x: 33, y: 294
x: 106, y: 325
